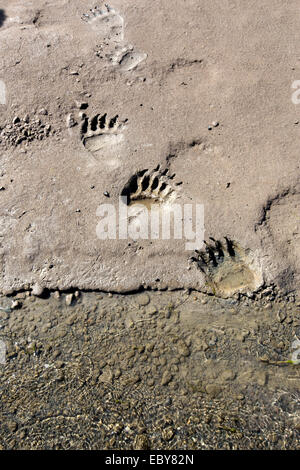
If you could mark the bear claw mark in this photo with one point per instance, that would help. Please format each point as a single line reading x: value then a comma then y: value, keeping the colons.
x: 214, y: 253
x: 227, y: 267
x: 98, y: 131
x: 152, y: 186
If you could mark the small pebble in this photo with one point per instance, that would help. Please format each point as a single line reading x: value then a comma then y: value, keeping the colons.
x: 166, y: 378
x: 69, y: 299
x: 106, y: 194
x: 37, y: 290
x: 167, y: 434
x: 16, y: 304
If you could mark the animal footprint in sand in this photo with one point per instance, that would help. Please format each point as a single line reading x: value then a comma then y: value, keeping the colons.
x: 106, y: 21
x: 127, y: 59
x: 149, y: 188
x: 99, y: 132
x: 228, y: 268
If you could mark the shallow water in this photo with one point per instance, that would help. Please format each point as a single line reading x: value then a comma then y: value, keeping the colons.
x: 127, y: 355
